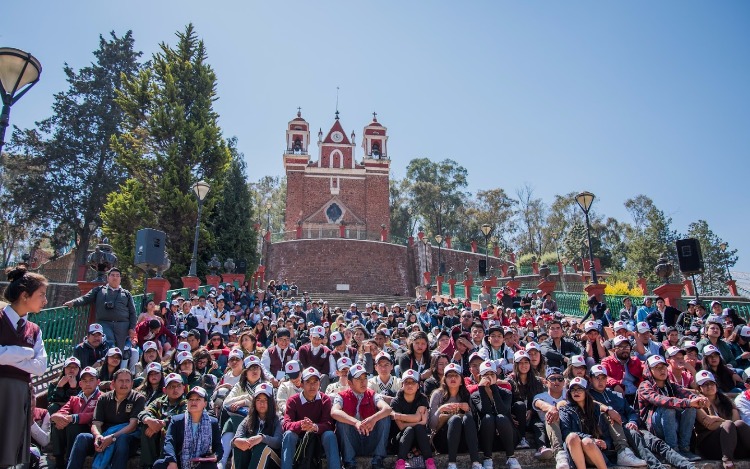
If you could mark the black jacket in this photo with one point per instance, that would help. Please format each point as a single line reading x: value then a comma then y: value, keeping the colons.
x: 555, y: 357
x: 482, y: 406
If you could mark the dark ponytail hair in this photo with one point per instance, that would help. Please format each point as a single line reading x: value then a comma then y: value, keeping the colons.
x: 21, y: 280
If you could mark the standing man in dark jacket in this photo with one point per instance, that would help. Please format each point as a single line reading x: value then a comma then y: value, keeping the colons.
x: 558, y: 349
x: 663, y: 314
x: 115, y: 310
x: 598, y: 310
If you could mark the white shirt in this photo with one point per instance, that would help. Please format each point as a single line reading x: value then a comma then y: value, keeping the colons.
x: 32, y: 360
x: 545, y: 397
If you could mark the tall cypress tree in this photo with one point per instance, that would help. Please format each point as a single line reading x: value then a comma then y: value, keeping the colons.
x: 172, y: 140
x: 233, y: 217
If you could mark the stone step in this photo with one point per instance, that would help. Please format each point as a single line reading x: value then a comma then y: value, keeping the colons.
x: 525, y: 459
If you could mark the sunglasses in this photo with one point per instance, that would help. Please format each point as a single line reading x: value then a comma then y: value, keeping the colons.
x: 557, y: 379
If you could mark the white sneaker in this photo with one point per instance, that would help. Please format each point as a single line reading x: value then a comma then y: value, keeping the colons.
x: 523, y: 444
x: 513, y: 463
x: 452, y: 465
x: 544, y: 453
x: 561, y: 460
x: 627, y: 458
x: 487, y: 464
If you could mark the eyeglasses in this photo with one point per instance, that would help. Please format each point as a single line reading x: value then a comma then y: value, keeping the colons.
x: 558, y: 379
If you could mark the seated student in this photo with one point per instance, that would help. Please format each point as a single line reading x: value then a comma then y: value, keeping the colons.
x: 289, y: 387
x: 719, y: 431
x: 742, y: 401
x: 668, y: 409
x: 309, y: 411
x: 583, y: 428
x: 410, y: 415
x: 109, y: 367
x: 94, y: 348
x: 545, y: 404
x: 152, y: 387
x: 726, y: 378
x: 451, y: 419
x: 66, y: 387
x: 680, y: 371
x: 491, y: 404
x: 192, y: 436
x: 624, y: 422
x: 343, y: 365
x: 239, y: 401
x: 362, y: 427
x: 150, y: 355
x: 618, y: 379
x: 74, y: 417
x: 525, y: 384
x: 384, y: 383
x: 257, y: 441
x: 115, y: 423
x: 157, y: 415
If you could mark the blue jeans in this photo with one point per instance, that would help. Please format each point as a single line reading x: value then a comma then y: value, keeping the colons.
x: 327, y: 439
x: 674, y: 426
x: 84, y: 446
x: 352, y: 443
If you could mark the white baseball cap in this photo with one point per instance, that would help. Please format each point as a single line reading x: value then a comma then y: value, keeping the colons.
x: 580, y: 382
x: 383, y: 355
x: 410, y: 374
x: 336, y: 338
x: 293, y: 368
x: 264, y: 388
x: 654, y: 360
x: 114, y: 351
x: 643, y: 327
x: 183, y: 357
x: 310, y: 372
x: 235, y: 353
x: 591, y: 326
x: 454, y: 368
x: 486, y: 367
x: 90, y: 370
x: 173, y: 378
x: 318, y: 331
x: 358, y: 370
x: 197, y: 390
x: 153, y: 366
x: 597, y: 370
x: 745, y: 331
x: 251, y: 360
x: 183, y: 347
x: 674, y: 350
x: 620, y: 339
x: 710, y: 349
x: 533, y: 345
x: 96, y: 329
x: 344, y: 362
x: 520, y: 355
x: 703, y: 377
x: 72, y: 361
x: 150, y: 345
x: 577, y: 360
x: 619, y: 325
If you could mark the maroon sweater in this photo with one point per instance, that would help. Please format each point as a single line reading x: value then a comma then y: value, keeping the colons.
x: 9, y: 336
x: 319, y: 411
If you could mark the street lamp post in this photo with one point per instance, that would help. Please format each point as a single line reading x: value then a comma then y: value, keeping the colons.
x: 585, y: 199
x: 425, y: 240
x: 19, y: 71
x: 269, y: 205
x: 486, y: 230
x: 439, y: 239
x: 723, y: 247
x: 201, y: 189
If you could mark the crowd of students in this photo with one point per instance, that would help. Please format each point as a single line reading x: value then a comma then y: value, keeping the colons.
x: 294, y: 381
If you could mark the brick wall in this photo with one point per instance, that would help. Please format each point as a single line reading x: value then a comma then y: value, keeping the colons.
x: 320, y: 264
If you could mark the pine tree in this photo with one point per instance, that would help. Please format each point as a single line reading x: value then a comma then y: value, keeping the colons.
x: 71, y: 163
x: 172, y: 140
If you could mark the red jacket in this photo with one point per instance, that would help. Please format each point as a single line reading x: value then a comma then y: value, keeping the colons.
x: 81, y: 410
x: 142, y: 330
x: 616, y: 371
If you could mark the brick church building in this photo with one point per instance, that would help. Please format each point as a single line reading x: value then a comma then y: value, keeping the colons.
x: 342, y: 192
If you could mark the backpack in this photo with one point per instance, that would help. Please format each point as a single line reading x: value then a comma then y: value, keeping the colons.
x: 308, y: 453
x: 191, y: 322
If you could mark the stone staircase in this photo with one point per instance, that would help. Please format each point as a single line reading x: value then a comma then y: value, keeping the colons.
x: 345, y: 299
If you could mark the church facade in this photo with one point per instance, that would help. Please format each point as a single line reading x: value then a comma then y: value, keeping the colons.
x: 341, y: 191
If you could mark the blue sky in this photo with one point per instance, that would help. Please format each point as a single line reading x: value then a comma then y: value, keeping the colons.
x: 618, y: 98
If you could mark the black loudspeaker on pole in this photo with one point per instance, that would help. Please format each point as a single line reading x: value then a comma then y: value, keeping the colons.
x: 690, y: 259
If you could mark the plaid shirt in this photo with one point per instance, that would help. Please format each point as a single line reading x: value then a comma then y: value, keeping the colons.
x: 161, y: 409
x: 650, y: 398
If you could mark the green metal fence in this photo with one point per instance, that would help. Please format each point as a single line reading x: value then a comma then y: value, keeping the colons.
x: 62, y: 328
